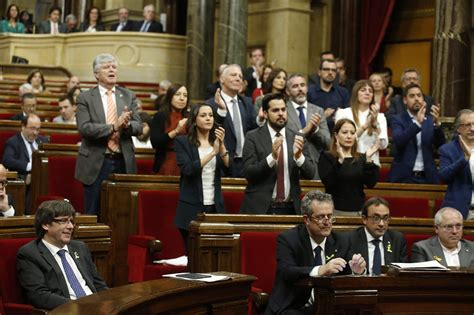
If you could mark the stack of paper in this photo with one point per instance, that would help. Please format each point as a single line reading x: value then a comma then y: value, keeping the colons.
x: 425, y: 265
x: 205, y: 277
x: 179, y: 261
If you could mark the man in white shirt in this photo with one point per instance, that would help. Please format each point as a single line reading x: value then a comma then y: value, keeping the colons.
x: 67, y: 110
x: 54, y: 269
x: 6, y: 205
x: 52, y: 25
x: 448, y: 247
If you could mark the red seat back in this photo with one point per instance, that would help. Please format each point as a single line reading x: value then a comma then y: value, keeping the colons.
x: 232, y: 201
x: 258, y: 257
x: 384, y: 174
x: 145, y: 166
x: 409, y: 207
x: 413, y: 238
x: 4, y: 135
x: 10, y: 286
x: 65, y: 138
x: 61, y: 180
x: 156, y: 212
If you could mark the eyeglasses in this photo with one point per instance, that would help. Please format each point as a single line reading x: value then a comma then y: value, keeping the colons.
x: 3, y: 184
x: 377, y: 219
x: 64, y: 221
x: 329, y: 69
x: 450, y: 227
x: 466, y: 125
x: 322, y: 218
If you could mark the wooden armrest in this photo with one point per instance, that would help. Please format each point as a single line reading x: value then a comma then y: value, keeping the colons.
x: 155, y: 246
x: 260, y: 301
x: 38, y: 311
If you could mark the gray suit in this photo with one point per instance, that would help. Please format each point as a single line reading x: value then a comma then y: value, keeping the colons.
x: 44, y: 27
x: 429, y: 249
x: 317, y: 141
x: 95, y: 132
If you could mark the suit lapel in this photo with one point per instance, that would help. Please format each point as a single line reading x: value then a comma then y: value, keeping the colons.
x: 99, y: 110
x: 21, y: 142
x: 243, y: 118
x: 74, y: 252
x: 387, y: 248
x: 307, y: 249
x: 293, y: 118
x: 465, y: 255
x: 363, y: 246
x: 119, y: 101
x: 290, y: 139
x: 52, y: 262
x: 265, y: 139
x: 330, y: 249
x: 437, y: 251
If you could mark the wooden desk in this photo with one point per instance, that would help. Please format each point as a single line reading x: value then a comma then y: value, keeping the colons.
x: 16, y: 188
x: 166, y: 296
x: 449, y: 292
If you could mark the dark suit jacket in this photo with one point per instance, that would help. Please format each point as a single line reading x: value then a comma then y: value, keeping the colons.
x: 63, y: 29
x: 155, y: 27
x: 397, y: 106
x: 247, y: 115
x: 41, y: 277
x: 431, y: 249
x: 455, y: 171
x: 15, y: 154
x: 18, y: 116
x: 394, y: 245
x: 251, y: 81
x: 404, y: 132
x: 99, y: 27
x: 129, y: 26
x: 261, y: 178
x: 44, y: 27
x: 295, y: 260
x: 95, y: 132
x: 190, y: 184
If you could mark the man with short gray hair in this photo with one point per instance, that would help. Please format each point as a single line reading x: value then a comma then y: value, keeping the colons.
x: 448, y: 247
x: 107, y: 118
x: 149, y: 25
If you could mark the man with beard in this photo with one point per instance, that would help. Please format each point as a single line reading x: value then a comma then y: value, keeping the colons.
x: 448, y: 247
x: 379, y: 245
x: 274, y: 157
x: 457, y: 163
x: 306, y: 118
x: 328, y: 94
x: 415, y: 135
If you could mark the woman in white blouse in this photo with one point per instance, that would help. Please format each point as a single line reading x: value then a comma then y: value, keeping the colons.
x: 371, y: 125
x: 201, y: 156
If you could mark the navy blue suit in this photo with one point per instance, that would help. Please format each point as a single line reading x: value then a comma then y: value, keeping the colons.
x: 155, y: 27
x: 454, y: 170
x: 404, y: 132
x: 15, y: 155
x: 190, y: 184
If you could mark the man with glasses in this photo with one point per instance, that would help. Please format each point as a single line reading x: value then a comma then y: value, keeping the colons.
x: 457, y: 165
x: 378, y: 244
x: 28, y: 106
x: 448, y: 247
x: 6, y: 204
x: 54, y: 269
x: 311, y: 249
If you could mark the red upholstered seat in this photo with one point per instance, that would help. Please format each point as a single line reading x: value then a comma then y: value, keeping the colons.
x: 156, y: 212
x: 145, y: 166
x: 409, y: 207
x: 4, y: 135
x: 65, y: 138
x: 413, y: 238
x: 384, y: 174
x: 14, y: 302
x: 232, y: 201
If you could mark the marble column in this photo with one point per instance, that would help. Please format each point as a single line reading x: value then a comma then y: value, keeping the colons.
x: 199, y: 46
x: 232, y: 32
x: 452, y: 55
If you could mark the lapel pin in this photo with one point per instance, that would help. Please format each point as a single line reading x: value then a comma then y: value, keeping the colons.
x: 329, y: 257
x: 437, y: 258
x: 76, y: 255
x: 389, y: 247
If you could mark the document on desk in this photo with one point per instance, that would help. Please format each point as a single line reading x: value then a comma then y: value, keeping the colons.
x: 179, y: 261
x: 420, y: 266
x: 204, y: 277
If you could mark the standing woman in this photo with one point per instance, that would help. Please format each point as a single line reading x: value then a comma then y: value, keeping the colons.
x: 276, y: 83
x: 344, y: 172
x: 168, y: 123
x: 11, y: 24
x: 263, y: 78
x: 371, y: 125
x: 381, y: 94
x: 36, y: 79
x: 201, y: 156
x: 93, y: 21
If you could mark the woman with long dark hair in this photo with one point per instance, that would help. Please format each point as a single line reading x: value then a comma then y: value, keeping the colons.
x: 168, y: 123
x: 93, y: 21
x: 344, y: 171
x: 275, y: 83
x: 201, y: 156
x: 11, y: 24
x: 36, y: 79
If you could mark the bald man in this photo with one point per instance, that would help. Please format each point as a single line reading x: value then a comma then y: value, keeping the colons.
x: 6, y: 207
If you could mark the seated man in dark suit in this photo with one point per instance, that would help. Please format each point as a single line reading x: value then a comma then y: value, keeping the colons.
x: 28, y: 105
x: 6, y: 203
x: 124, y: 24
x: 311, y: 249
x: 54, y: 269
x: 149, y: 25
x: 51, y: 25
x: 448, y: 247
x: 379, y: 245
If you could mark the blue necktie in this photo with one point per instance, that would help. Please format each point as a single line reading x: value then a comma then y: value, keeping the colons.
x: 317, y: 256
x: 377, y: 263
x: 302, y: 119
x: 71, y: 277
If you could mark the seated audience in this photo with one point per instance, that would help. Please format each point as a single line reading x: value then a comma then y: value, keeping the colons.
x: 6, y: 202
x: 124, y: 24
x: 457, y: 163
x: 28, y: 106
x: 371, y: 125
x: 52, y: 25
x: 143, y: 140
x: 93, y: 21
x: 416, y: 133
x: 345, y: 172
x: 267, y: 69
x: 276, y: 83
x: 67, y: 110
x: 149, y: 25
x: 36, y: 79
x: 72, y: 82
x: 379, y: 245
x: 54, y: 269
x: 168, y: 123
x: 447, y: 247
x: 381, y: 94
x: 344, y: 80
x: 201, y: 156
x: 11, y: 24
x: 27, y: 19
x: 70, y: 24
x: 308, y: 250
